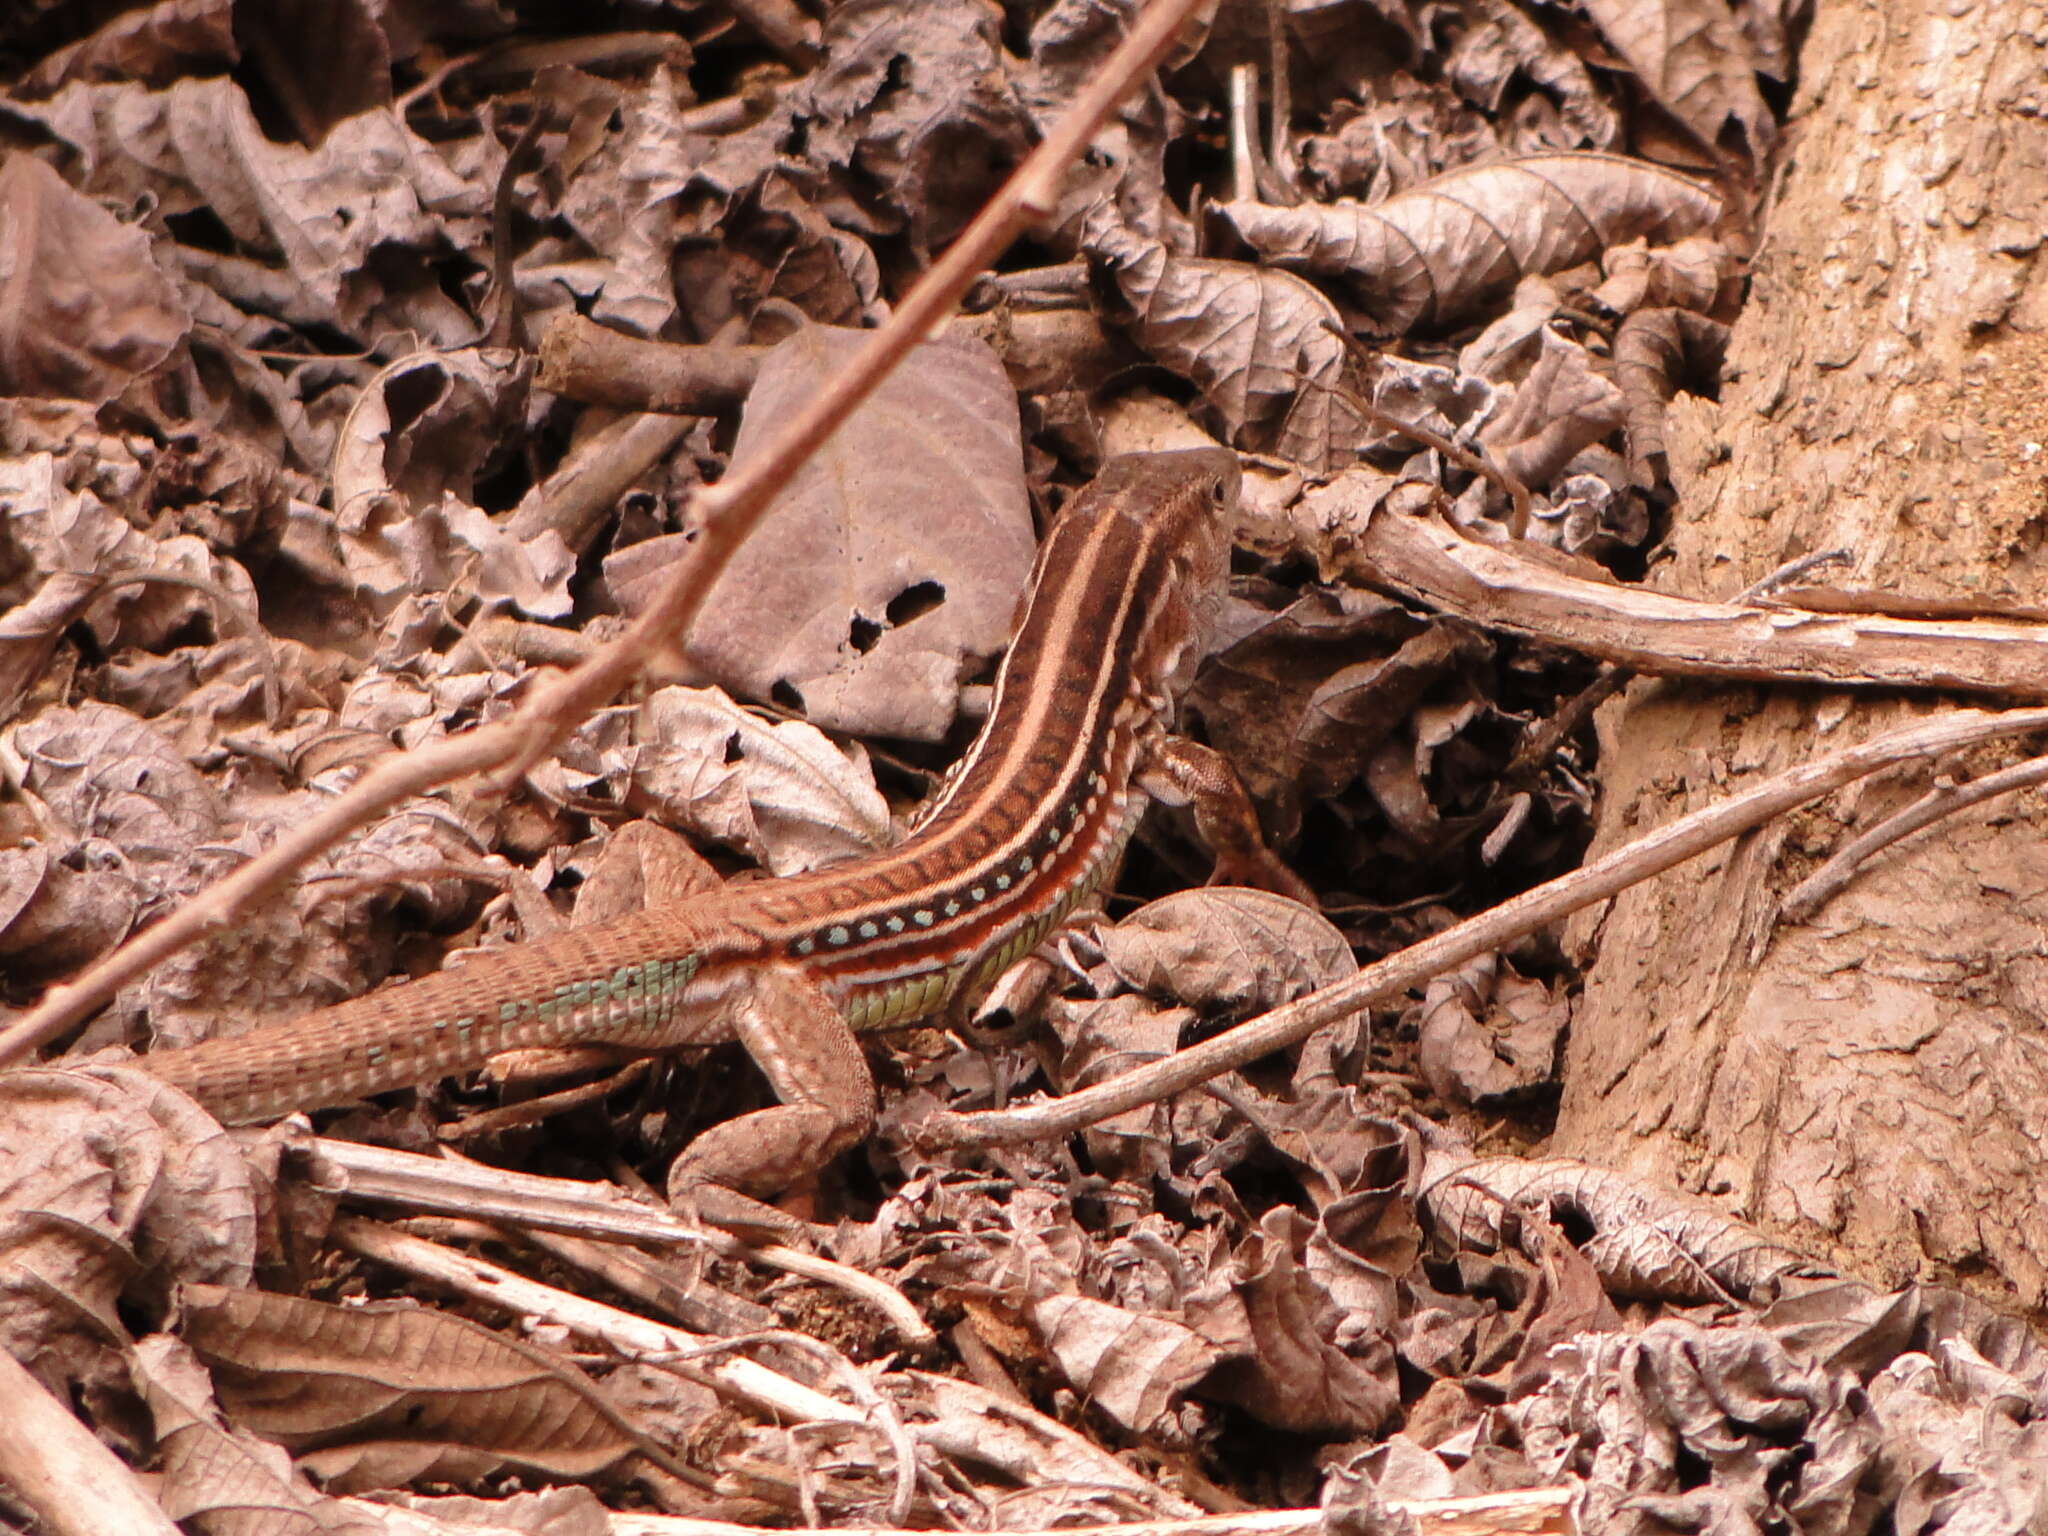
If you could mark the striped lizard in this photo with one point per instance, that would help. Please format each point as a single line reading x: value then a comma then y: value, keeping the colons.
x: 1031, y: 823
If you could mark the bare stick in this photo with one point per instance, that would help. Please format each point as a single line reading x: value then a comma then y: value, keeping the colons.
x: 726, y: 512
x: 1521, y: 1512
x: 1650, y: 631
x: 1944, y: 799
x: 1650, y: 855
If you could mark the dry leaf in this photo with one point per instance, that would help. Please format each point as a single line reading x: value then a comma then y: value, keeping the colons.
x: 1228, y: 948
x: 1252, y: 340
x: 147, y: 1192
x: 374, y: 1396
x: 1654, y: 351
x: 1130, y: 1365
x: 783, y: 793
x: 1693, y: 58
x: 1645, y: 1242
x: 1564, y: 405
x: 152, y: 45
x: 1293, y: 1375
x: 86, y: 308
x: 892, y: 560
x: 914, y: 102
x: 1486, y: 1036
x: 219, y: 1477
x: 1428, y: 257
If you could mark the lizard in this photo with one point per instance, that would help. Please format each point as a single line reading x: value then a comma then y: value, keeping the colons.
x: 1032, y: 823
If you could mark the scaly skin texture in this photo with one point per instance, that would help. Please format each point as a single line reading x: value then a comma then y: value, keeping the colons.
x: 1033, y: 821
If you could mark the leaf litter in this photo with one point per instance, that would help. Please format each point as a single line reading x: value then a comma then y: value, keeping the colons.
x: 264, y: 455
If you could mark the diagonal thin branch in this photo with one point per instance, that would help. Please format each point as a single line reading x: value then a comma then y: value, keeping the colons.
x: 727, y: 511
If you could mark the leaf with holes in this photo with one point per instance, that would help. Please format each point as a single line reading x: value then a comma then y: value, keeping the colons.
x: 892, y: 560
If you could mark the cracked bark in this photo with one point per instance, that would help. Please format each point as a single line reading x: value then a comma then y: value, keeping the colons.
x: 1872, y: 1084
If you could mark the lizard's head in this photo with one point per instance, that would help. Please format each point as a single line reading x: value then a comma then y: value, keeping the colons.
x: 1164, y: 521
x: 1128, y: 581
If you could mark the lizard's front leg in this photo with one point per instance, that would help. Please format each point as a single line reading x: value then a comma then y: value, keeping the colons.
x: 1176, y: 771
x: 814, y: 1063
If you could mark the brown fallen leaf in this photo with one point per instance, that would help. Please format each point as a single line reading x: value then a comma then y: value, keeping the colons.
x: 1693, y: 57
x: 914, y: 102
x: 781, y: 792
x: 1306, y: 1366
x: 1656, y: 351
x: 1131, y: 1365
x: 218, y: 1477
x: 86, y: 308
x: 1428, y: 257
x: 341, y: 232
x: 1488, y: 1033
x: 890, y: 564
x: 378, y: 1395
x: 1561, y: 407
x: 1252, y: 339
x: 153, y: 44
x: 1645, y: 1241
x: 1227, y: 948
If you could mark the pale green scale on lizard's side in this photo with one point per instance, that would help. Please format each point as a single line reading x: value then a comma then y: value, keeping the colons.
x: 646, y: 995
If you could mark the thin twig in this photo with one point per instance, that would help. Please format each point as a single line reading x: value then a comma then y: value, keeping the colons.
x: 1650, y: 855
x: 1522, y: 1512
x: 1544, y: 737
x: 726, y: 512
x: 1944, y: 799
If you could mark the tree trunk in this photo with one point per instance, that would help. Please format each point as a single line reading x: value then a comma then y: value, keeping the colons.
x: 1872, y: 1083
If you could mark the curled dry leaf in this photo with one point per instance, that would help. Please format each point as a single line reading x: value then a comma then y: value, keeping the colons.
x: 147, y: 1192
x: 1488, y: 1033
x: 153, y: 45
x: 627, y: 154
x: 65, y: 532
x: 914, y: 102
x: 104, y: 773
x: 775, y: 243
x: 1698, y: 1417
x: 1645, y: 1242
x: 1655, y: 350
x: 1228, y: 947
x: 1251, y: 339
x: 1563, y: 405
x: 1056, y: 1475
x: 1358, y: 710
x: 375, y: 1396
x: 1295, y: 1374
x: 1105, y: 1038
x: 1502, y: 42
x: 55, y: 915
x: 85, y: 309
x: 1688, y: 275
x: 1430, y: 256
x: 1695, y: 60
x: 405, y: 467
x: 888, y: 564
x: 343, y: 232
x: 212, y: 1473
x: 1131, y: 1365
x: 783, y: 793
x: 1251, y: 696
